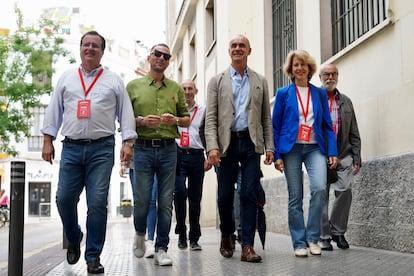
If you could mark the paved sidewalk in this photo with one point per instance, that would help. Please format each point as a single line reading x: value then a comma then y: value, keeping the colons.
x: 278, y: 259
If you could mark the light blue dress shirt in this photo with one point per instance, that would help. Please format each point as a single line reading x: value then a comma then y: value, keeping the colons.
x: 109, y: 102
x: 241, y: 88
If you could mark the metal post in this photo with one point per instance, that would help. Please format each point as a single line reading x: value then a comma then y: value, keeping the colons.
x: 16, y: 229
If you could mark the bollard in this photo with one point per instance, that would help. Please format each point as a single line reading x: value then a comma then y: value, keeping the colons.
x: 17, y: 181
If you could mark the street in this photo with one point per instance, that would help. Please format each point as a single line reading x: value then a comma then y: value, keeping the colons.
x: 42, y: 242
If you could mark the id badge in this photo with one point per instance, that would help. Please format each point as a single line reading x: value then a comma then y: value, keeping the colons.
x: 304, y: 133
x: 185, y: 139
x: 84, y: 109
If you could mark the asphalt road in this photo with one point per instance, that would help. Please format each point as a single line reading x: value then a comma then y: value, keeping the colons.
x: 42, y: 244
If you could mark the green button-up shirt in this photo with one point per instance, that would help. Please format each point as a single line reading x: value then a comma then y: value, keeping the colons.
x: 148, y: 99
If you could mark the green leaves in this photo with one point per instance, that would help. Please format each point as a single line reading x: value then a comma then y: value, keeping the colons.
x: 26, y: 69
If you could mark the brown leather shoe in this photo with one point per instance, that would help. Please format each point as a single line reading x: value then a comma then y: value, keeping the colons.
x: 226, y: 247
x: 248, y: 255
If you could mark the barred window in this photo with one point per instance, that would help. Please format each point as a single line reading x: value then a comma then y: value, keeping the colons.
x: 284, y: 37
x: 353, y: 18
x: 35, y: 140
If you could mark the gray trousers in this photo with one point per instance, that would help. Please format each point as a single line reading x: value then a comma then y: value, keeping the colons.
x: 336, y: 222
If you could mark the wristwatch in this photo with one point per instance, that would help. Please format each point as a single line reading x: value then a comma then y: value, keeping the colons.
x: 129, y: 144
x: 178, y: 121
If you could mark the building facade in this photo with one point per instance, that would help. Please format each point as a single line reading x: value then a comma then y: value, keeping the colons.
x: 370, y: 42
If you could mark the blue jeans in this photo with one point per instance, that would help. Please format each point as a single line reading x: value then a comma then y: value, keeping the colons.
x: 315, y: 163
x: 241, y: 150
x: 159, y: 162
x: 152, y: 213
x: 191, y: 167
x: 86, y: 166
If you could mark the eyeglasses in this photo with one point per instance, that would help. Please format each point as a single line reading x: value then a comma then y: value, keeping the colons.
x: 327, y: 74
x: 93, y: 45
x: 159, y: 54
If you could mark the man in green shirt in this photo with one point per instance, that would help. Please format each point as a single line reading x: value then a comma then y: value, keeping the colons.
x: 159, y: 107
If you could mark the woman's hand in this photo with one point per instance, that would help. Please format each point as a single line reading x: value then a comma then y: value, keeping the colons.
x: 279, y: 165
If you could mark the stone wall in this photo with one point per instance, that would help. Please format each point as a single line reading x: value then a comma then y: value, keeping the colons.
x: 382, y: 211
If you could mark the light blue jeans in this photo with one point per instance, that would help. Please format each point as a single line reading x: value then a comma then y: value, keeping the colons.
x: 149, y: 162
x: 152, y: 213
x: 86, y: 166
x: 315, y: 163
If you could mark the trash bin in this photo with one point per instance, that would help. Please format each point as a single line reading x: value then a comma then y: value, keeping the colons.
x: 126, y: 208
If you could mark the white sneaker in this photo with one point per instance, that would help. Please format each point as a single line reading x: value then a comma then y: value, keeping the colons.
x: 314, y: 248
x: 301, y: 252
x: 139, y: 246
x: 149, y: 252
x: 161, y: 258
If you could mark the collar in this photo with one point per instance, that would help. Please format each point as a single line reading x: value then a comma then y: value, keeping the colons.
x: 151, y: 81
x: 234, y: 72
x: 92, y: 73
x: 193, y: 107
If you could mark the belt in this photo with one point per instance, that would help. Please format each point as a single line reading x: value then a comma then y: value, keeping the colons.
x: 154, y: 143
x: 87, y: 141
x: 240, y: 134
x: 191, y: 151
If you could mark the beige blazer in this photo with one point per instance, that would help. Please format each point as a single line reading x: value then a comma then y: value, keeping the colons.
x: 220, y: 112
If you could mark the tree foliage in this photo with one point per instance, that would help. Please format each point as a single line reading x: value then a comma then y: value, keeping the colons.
x: 26, y: 67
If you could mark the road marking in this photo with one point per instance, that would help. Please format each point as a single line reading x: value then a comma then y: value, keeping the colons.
x: 33, y: 252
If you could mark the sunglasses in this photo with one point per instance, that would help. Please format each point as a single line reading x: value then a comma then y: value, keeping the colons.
x: 159, y: 54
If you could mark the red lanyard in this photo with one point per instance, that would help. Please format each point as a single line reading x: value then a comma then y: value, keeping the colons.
x: 192, y: 116
x: 331, y: 98
x: 93, y: 82
x: 305, y: 112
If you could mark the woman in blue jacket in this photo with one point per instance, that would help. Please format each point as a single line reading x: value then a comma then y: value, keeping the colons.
x: 299, y: 112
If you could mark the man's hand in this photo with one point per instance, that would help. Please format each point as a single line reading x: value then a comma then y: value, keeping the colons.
x: 207, y: 165
x: 126, y: 153
x: 269, y: 158
x: 48, y: 150
x: 214, y: 157
x: 168, y: 119
x: 151, y: 121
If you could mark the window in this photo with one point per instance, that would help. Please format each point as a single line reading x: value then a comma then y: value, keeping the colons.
x: 284, y: 37
x: 35, y: 141
x: 193, y: 61
x: 210, y: 34
x: 353, y: 18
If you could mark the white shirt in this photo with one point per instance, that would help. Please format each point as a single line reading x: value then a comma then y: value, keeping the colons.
x: 109, y: 102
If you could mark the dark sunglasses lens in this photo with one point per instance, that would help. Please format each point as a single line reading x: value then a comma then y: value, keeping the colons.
x: 159, y: 54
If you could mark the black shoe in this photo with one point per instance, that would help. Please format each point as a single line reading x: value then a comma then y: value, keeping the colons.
x: 95, y: 267
x: 340, y: 241
x: 195, y: 246
x: 73, y: 253
x: 325, y: 244
x: 182, y: 242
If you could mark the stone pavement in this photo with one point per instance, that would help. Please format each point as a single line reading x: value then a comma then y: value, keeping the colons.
x: 278, y: 259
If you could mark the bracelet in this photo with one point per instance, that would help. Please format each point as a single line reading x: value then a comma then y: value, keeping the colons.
x: 140, y: 119
x: 178, y: 121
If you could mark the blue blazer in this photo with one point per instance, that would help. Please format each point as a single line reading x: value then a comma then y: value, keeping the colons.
x: 285, y: 120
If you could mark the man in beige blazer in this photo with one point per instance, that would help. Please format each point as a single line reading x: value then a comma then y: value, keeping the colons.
x: 238, y: 130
